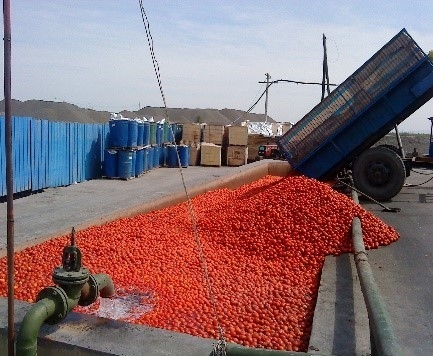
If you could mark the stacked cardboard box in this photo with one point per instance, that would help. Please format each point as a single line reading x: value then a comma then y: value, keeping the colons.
x: 237, y: 155
x: 213, y: 134
x: 191, y: 133
x: 237, y: 150
x: 237, y: 135
x: 210, y: 154
x: 194, y: 154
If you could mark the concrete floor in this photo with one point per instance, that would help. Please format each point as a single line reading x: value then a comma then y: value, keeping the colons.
x: 55, y: 211
x: 403, y: 270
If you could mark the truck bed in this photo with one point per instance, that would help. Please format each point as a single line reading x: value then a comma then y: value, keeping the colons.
x: 384, y: 91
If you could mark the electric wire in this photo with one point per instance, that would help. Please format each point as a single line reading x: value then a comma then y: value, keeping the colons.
x: 419, y: 184
x: 222, y: 342
x: 252, y: 106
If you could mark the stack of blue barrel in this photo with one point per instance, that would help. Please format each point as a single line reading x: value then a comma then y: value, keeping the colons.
x: 138, y: 146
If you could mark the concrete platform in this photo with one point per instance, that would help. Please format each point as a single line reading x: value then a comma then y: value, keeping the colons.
x: 41, y: 216
x: 403, y: 272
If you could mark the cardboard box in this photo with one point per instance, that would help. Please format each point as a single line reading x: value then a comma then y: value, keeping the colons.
x: 237, y: 135
x: 237, y: 155
x: 210, y: 154
x: 213, y: 134
x: 194, y: 154
x: 191, y: 133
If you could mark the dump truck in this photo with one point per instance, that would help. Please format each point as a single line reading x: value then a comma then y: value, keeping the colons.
x: 338, y: 134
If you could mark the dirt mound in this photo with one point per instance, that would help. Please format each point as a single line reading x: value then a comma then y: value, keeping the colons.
x: 62, y: 111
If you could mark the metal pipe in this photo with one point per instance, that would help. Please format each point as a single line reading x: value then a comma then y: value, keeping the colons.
x: 238, y: 350
x: 105, y: 285
x: 7, y: 38
x: 381, y: 328
x: 99, y: 284
x: 32, y: 322
x: 400, y: 145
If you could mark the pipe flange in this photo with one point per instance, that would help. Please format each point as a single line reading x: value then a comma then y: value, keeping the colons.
x: 93, y: 293
x: 61, y: 276
x: 60, y: 298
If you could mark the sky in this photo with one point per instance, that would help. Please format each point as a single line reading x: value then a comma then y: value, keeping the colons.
x: 211, y: 54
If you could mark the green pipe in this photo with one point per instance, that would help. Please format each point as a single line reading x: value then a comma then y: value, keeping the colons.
x: 54, y: 303
x: 384, y: 340
x: 105, y: 285
x: 238, y: 350
x: 32, y: 322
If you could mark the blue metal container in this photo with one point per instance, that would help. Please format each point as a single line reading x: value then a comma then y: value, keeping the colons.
x: 162, y: 155
x: 124, y: 161
x: 178, y: 131
x: 150, y: 157
x: 134, y: 162
x: 119, y: 133
x: 159, y: 134
x: 167, y: 137
x: 183, y: 155
x: 139, y: 162
x: 132, y: 133
x: 110, y: 163
x: 156, y: 156
x: 145, y: 159
x: 146, y: 133
x: 152, y: 133
x: 171, y: 157
x: 140, y: 133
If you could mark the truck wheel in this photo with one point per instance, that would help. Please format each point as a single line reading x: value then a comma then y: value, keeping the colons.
x: 392, y: 148
x: 379, y: 172
x: 407, y: 163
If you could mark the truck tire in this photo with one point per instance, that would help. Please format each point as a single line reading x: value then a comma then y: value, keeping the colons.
x: 407, y: 163
x: 379, y: 172
x: 392, y: 148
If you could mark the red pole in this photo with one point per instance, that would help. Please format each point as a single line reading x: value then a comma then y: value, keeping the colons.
x: 9, y: 172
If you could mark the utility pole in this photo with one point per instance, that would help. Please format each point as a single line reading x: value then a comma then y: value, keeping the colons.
x: 325, y: 78
x: 266, y: 100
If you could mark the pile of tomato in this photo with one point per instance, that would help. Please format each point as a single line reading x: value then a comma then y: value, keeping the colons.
x: 264, y: 245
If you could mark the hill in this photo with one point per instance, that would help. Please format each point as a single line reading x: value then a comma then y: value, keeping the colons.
x: 62, y: 111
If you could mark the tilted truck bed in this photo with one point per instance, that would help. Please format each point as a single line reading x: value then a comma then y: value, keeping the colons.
x: 383, y: 92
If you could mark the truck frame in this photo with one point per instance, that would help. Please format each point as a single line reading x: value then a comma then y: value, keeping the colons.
x: 337, y: 133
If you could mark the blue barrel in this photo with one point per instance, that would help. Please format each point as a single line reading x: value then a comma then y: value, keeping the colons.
x: 178, y: 133
x: 146, y: 133
x: 183, y: 155
x: 162, y: 155
x: 159, y: 134
x: 140, y: 133
x: 110, y: 163
x: 145, y: 159
x: 132, y: 133
x: 156, y: 156
x: 171, y: 157
x: 152, y: 133
x: 150, y: 160
x: 134, y: 162
x: 124, y: 167
x: 173, y: 133
x: 167, y: 133
x: 119, y: 133
x: 139, y: 163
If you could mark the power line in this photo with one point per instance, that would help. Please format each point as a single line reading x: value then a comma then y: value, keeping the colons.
x: 297, y: 82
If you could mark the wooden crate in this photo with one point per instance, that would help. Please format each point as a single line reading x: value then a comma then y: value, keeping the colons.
x: 191, y: 133
x: 237, y: 135
x: 237, y: 155
x: 213, y: 134
x: 210, y: 154
x: 194, y: 154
